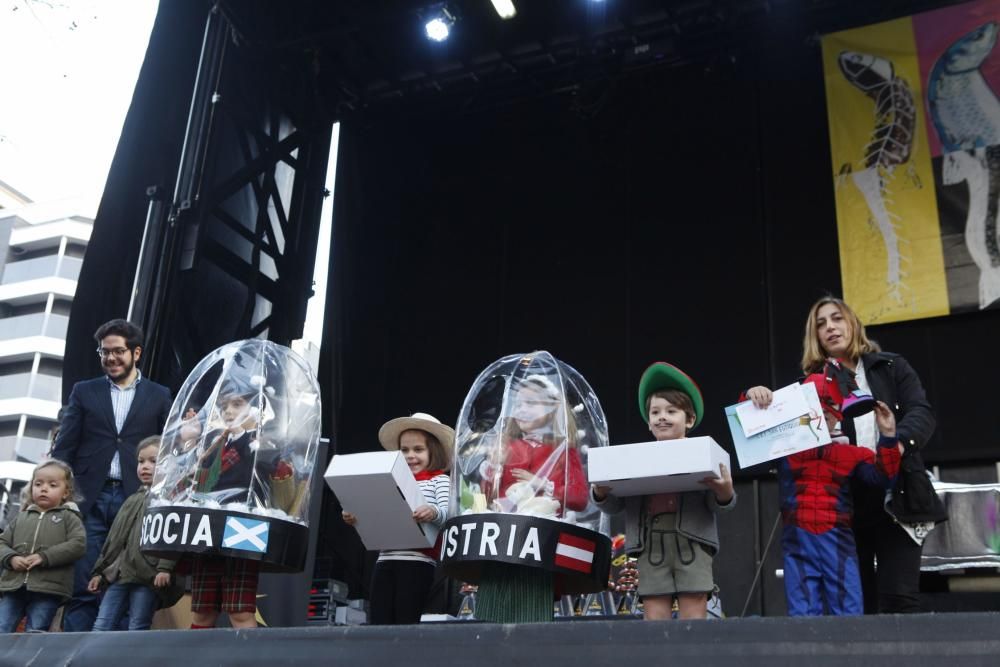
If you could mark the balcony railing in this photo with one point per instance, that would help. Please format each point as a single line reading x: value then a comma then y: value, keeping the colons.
x: 41, y: 267
x: 8, y: 447
x: 32, y: 449
x: 24, y: 326
x: 45, y: 387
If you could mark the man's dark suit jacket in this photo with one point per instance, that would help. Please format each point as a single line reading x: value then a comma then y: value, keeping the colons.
x: 88, y: 439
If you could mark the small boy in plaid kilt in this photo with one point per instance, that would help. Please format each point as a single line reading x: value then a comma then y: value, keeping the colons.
x: 221, y: 584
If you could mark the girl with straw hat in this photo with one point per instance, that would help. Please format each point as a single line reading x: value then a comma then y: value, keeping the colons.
x: 403, y: 578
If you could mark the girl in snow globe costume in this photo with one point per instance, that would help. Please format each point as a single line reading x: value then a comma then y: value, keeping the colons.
x: 523, y: 526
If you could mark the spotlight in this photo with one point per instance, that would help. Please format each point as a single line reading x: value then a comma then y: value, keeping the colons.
x: 505, y: 8
x: 439, y: 27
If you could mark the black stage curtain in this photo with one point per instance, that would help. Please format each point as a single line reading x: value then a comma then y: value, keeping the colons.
x: 683, y: 215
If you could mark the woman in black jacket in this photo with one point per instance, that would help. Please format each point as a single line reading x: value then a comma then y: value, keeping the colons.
x: 834, y: 330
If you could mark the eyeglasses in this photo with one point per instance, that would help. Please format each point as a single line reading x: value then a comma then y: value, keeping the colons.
x: 118, y: 352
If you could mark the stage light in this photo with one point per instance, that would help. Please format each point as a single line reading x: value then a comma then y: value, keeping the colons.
x: 439, y: 27
x: 505, y: 8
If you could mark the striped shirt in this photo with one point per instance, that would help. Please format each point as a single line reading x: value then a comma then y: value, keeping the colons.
x: 121, y: 402
x: 436, y: 493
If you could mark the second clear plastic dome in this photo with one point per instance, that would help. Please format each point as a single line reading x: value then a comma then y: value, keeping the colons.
x: 522, y: 439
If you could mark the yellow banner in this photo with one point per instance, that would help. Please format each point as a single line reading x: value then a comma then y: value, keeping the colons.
x: 891, y: 256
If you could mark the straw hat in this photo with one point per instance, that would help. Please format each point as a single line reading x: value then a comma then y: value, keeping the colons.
x: 388, y: 435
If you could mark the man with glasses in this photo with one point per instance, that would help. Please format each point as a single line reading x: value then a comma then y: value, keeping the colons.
x: 105, y: 419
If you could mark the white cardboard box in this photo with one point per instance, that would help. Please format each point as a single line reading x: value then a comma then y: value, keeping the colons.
x: 349, y: 616
x: 436, y: 618
x: 656, y: 467
x: 379, y: 489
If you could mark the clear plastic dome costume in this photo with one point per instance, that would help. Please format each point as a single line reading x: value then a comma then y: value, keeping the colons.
x: 521, y: 451
x: 234, y: 469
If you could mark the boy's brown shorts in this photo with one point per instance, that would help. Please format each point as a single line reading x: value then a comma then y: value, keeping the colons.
x: 671, y: 563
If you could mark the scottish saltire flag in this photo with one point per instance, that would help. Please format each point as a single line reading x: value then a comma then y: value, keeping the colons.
x: 245, y: 534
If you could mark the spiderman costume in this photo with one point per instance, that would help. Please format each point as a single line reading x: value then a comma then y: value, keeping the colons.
x: 820, y: 558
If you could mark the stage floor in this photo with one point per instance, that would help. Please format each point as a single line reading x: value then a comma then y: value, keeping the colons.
x: 951, y: 640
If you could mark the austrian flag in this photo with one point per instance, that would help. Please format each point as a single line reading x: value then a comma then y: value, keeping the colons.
x: 575, y: 553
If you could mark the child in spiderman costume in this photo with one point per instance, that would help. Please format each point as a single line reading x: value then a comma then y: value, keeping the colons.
x: 820, y: 558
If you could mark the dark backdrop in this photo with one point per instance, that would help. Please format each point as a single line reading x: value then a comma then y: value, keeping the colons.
x: 682, y: 213
x: 685, y: 215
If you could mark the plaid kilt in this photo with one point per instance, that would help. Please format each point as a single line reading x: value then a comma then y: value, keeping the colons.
x: 224, y: 584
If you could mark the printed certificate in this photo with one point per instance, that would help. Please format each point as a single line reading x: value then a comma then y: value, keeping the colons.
x: 806, y: 430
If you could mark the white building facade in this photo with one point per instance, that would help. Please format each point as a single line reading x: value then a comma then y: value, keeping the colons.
x: 41, y: 253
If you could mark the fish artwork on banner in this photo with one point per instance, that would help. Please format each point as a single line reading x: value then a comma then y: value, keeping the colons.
x: 914, y: 122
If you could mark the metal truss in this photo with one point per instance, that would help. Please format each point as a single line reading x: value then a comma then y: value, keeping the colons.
x: 232, y: 257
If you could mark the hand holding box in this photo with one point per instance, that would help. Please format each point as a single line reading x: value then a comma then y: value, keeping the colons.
x: 379, y: 489
x: 664, y: 466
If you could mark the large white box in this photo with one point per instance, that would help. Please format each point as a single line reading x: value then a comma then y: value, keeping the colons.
x: 379, y: 489
x: 664, y: 466
x: 343, y: 615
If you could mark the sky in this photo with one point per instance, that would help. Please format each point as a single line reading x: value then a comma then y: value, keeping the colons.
x: 69, y: 68
x: 316, y: 308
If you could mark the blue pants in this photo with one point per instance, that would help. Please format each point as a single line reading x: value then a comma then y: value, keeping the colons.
x: 81, y: 611
x: 138, y: 600
x: 40, y: 608
x: 821, y: 572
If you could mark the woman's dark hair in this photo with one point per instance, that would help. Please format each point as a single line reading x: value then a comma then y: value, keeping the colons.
x: 813, y: 354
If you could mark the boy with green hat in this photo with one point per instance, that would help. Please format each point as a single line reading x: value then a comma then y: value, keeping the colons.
x: 674, y: 534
